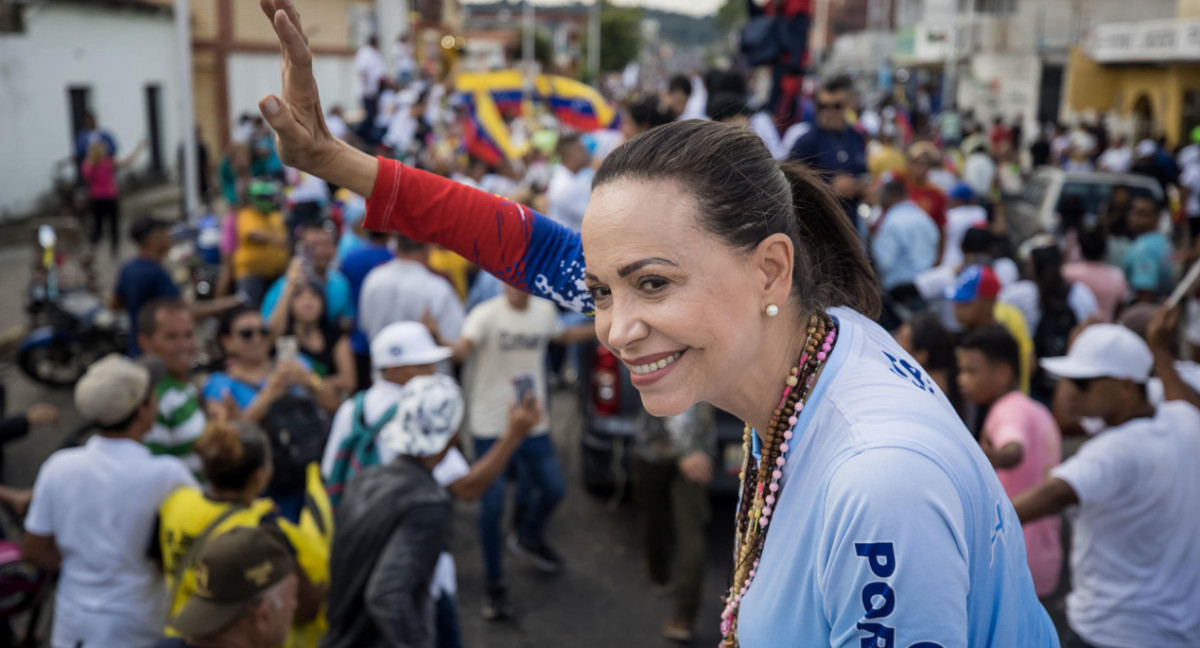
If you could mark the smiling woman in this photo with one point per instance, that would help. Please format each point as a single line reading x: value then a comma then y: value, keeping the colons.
x: 716, y: 275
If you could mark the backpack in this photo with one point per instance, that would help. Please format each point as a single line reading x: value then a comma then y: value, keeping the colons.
x: 1050, y: 339
x: 297, y: 429
x: 358, y: 450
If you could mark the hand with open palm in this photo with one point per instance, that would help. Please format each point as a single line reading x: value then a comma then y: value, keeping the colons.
x: 302, y: 138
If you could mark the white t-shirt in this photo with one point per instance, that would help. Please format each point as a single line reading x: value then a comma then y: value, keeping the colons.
x: 958, y: 221
x: 1116, y: 160
x: 1136, y: 544
x: 1190, y: 373
x: 370, y: 67
x: 567, y: 196
x: 979, y: 171
x: 401, y: 291
x: 99, y: 502
x: 764, y: 126
x: 379, y: 397
x: 507, y: 342
x: 1189, y: 178
x: 337, y: 126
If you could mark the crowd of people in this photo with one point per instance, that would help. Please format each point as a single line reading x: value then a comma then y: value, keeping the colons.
x: 298, y: 490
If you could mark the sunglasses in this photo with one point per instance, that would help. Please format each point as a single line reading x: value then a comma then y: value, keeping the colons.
x: 830, y: 106
x: 1082, y: 384
x: 249, y: 333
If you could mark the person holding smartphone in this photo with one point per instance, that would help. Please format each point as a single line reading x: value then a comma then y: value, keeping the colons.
x: 506, y: 338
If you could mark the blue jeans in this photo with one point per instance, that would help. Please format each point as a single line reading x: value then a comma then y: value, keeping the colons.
x: 446, y: 615
x: 541, y: 486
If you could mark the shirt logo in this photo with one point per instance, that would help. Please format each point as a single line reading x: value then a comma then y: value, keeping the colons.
x: 879, y: 599
x: 997, y: 534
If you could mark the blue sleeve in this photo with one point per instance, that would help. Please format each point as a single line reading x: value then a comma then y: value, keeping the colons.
x: 804, y: 150
x: 166, y: 285
x: 341, y: 303
x: 892, y: 555
x: 272, y: 297
x: 886, y: 249
x: 215, y: 387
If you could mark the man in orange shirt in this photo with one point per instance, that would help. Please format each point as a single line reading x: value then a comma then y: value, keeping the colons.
x: 921, y: 158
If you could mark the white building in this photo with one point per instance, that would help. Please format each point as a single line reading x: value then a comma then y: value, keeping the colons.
x: 115, y: 59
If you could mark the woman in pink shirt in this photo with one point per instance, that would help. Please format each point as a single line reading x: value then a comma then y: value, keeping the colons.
x: 100, y: 173
x: 1019, y: 437
x: 1106, y: 282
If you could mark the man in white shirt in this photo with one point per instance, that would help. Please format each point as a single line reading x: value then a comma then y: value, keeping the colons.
x: 337, y: 123
x: 506, y: 339
x: 1137, y: 525
x: 93, y: 515
x: 570, y: 185
x: 406, y: 290
x: 371, y: 69
x: 401, y: 352
x: 1118, y: 157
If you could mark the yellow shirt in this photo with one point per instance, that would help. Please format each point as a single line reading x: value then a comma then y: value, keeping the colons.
x: 1013, y: 321
x: 252, y: 259
x: 453, y: 267
x: 887, y: 158
x: 187, y: 513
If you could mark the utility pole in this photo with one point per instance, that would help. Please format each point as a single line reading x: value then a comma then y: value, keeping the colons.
x: 187, y: 121
x: 527, y: 28
x: 594, y: 39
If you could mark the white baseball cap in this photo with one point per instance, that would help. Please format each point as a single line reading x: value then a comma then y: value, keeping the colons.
x: 428, y: 413
x: 404, y: 344
x: 1104, y: 351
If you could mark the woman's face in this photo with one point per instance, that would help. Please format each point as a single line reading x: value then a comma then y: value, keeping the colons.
x: 629, y: 128
x: 247, y: 339
x: 680, y: 308
x: 307, y: 306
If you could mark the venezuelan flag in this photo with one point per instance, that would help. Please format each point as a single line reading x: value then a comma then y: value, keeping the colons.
x: 486, y: 134
x: 575, y: 104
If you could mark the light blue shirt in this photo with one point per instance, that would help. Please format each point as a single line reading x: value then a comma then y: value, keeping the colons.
x: 338, y: 302
x: 1148, y: 264
x: 905, y: 245
x: 891, y: 528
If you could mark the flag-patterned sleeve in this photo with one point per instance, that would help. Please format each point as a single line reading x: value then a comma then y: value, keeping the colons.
x: 520, y: 246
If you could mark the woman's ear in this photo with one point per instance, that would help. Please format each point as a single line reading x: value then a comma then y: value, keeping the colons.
x: 774, y: 259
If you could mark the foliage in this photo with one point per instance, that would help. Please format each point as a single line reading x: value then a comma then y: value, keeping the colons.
x: 620, y: 36
x: 731, y: 15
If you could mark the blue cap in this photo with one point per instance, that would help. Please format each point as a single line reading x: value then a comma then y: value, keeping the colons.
x: 977, y: 281
x: 962, y: 191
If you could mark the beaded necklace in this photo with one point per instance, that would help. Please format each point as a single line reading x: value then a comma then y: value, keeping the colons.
x: 761, y: 479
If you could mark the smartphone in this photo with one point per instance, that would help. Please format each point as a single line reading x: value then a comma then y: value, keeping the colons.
x: 1185, y: 287
x: 287, y: 349
x: 523, y: 385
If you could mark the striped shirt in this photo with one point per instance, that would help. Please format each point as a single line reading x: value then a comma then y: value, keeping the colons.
x: 179, y: 423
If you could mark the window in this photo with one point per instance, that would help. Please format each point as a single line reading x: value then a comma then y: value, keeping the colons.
x: 12, y: 18
x: 994, y: 7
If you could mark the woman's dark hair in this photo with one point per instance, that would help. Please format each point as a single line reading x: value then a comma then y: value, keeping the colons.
x: 1093, y: 244
x: 744, y: 196
x: 231, y: 452
x: 225, y: 326
x: 929, y: 334
x: 997, y: 345
x: 1047, y: 274
x: 313, y: 287
x: 647, y: 113
x: 1072, y: 210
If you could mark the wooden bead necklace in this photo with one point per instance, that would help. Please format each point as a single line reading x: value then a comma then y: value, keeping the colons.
x: 761, y: 480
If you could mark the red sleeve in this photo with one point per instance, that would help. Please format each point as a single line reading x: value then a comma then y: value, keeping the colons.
x: 509, y: 240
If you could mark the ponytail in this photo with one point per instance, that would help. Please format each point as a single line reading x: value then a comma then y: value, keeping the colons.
x: 231, y: 452
x: 841, y: 273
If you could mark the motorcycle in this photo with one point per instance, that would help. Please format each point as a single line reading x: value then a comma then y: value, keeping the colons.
x: 195, y: 258
x: 70, y: 328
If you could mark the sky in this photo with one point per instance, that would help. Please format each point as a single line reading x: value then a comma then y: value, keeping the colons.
x: 691, y: 7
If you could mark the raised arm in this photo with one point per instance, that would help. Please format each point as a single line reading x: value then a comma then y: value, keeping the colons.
x: 518, y: 245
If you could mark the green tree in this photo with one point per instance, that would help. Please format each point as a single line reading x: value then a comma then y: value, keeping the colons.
x: 620, y: 36
x: 731, y: 15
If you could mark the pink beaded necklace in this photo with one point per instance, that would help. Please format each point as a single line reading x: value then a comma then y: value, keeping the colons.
x: 761, y: 480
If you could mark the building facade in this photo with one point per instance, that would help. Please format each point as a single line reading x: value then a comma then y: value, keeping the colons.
x: 64, y: 59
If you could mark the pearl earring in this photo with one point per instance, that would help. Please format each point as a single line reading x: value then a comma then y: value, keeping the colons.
x: 772, y: 310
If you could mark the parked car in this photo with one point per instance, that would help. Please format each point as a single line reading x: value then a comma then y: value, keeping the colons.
x: 1036, y: 209
x: 611, y: 404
